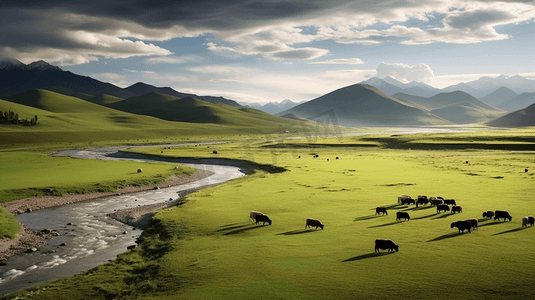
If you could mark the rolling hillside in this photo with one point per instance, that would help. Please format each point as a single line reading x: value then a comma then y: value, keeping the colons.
x: 69, y: 119
x: 457, y: 107
x: 518, y: 102
x: 196, y: 111
x: 363, y: 105
x: 520, y: 118
x: 141, y: 88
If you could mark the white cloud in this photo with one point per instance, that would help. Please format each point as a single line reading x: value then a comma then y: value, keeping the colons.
x: 172, y: 59
x: 405, y: 73
x: 339, y: 61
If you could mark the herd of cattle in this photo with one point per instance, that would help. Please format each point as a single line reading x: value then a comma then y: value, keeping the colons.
x: 442, y: 205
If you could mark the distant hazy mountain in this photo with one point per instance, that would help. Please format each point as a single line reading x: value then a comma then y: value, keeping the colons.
x: 457, y: 107
x: 499, y: 96
x: 518, y: 102
x: 390, y: 86
x: 362, y: 105
x: 477, y: 88
x: 16, y: 77
x: 519, y: 118
x: 273, y: 107
x: 141, y: 88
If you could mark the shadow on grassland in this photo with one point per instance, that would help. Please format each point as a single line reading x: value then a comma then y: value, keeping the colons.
x: 244, y: 228
x: 418, y: 208
x: 445, y: 215
x: 369, y: 255
x: 387, y: 224
x: 512, y: 230
x: 366, y: 218
x: 299, y: 231
x: 489, y: 224
x: 393, y: 206
x: 232, y: 226
x: 446, y: 236
x: 424, y: 217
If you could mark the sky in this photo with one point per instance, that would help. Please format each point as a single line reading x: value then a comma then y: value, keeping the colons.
x: 262, y: 51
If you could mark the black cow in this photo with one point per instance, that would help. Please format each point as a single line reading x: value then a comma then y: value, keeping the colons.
x: 422, y: 200
x: 262, y: 218
x: 385, y: 244
x: 315, y: 223
x: 462, y: 225
x: 474, y: 222
x: 442, y: 207
x: 408, y: 201
x: 402, y: 215
x: 382, y: 210
x: 528, y: 220
x: 456, y: 209
x: 450, y: 202
x: 501, y: 214
x: 488, y: 214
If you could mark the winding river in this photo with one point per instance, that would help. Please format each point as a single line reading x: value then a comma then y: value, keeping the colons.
x: 87, y: 236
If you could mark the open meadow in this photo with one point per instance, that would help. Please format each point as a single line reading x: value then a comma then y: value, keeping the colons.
x: 208, y: 249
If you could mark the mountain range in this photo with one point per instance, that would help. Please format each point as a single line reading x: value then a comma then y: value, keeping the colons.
x: 499, y: 90
x: 354, y: 105
x: 363, y: 105
x: 274, y: 107
x: 16, y: 77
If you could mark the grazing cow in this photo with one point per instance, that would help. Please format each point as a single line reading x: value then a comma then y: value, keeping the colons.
x: 382, y: 210
x: 435, y: 202
x: 313, y: 222
x: 488, y: 214
x: 462, y: 225
x: 262, y: 218
x: 442, y: 207
x: 474, y: 222
x: 253, y: 214
x: 408, y: 201
x: 450, y: 202
x: 139, y: 170
x: 456, y: 209
x: 528, y: 220
x: 501, y: 214
x: 422, y: 200
x: 385, y: 244
x: 402, y: 215
x: 400, y: 198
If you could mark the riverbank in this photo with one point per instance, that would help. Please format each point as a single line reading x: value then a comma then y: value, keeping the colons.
x: 28, y: 238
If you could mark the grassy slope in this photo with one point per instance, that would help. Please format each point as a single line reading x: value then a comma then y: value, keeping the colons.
x: 9, y: 226
x: 207, y: 249
x: 24, y: 175
x: 363, y: 105
x: 69, y: 119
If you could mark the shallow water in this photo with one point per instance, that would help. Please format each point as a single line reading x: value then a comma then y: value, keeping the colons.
x: 93, y: 238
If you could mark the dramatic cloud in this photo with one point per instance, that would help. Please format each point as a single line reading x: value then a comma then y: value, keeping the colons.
x: 74, y: 32
x: 406, y: 73
x: 339, y: 61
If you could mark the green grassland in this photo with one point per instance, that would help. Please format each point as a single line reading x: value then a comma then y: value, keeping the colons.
x: 67, y: 119
x: 9, y: 226
x: 207, y: 248
x: 24, y: 174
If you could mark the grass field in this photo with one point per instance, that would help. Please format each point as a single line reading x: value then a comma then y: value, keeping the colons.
x: 207, y: 249
x: 24, y: 175
x: 9, y: 226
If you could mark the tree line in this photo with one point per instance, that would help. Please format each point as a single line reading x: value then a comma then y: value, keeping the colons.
x: 11, y: 117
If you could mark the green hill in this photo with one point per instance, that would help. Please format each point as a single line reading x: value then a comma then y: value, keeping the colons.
x: 457, y: 107
x: 520, y: 118
x: 69, y: 119
x: 363, y: 105
x: 466, y: 113
x: 196, y: 111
